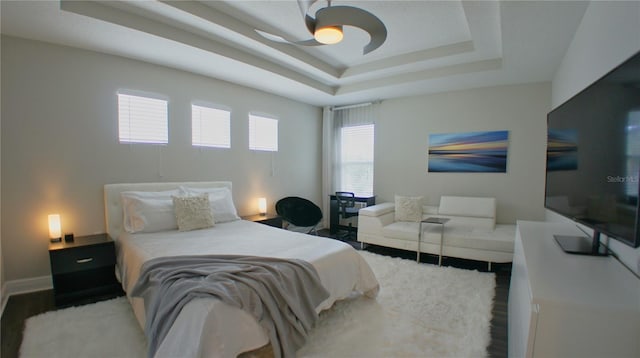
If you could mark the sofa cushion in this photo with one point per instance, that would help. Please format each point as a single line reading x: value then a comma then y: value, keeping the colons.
x: 469, y: 207
x: 377, y: 210
x: 487, y: 224
x: 408, y: 208
x: 403, y: 230
x: 501, y: 239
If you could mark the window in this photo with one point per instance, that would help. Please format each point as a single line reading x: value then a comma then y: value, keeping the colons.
x: 142, y: 119
x: 356, y: 159
x: 210, y: 127
x: 263, y: 133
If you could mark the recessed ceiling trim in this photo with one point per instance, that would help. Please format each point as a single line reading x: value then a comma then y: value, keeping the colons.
x: 129, y: 20
x: 478, y: 66
x: 409, y: 58
x: 221, y: 14
x: 530, y: 36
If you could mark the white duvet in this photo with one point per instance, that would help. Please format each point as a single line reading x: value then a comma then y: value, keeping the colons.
x: 210, y: 328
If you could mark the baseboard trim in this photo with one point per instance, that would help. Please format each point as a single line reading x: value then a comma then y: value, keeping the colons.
x: 27, y: 285
x: 5, y: 298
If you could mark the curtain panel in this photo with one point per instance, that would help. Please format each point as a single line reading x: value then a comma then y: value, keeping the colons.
x: 334, y: 119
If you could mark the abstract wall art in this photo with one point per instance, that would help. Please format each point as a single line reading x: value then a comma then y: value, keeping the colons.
x: 470, y: 152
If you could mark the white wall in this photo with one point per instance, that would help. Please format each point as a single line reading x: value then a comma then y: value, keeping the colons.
x: 608, y: 34
x: 60, y: 143
x: 401, y: 145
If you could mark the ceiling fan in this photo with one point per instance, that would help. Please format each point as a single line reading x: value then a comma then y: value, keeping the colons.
x: 326, y: 26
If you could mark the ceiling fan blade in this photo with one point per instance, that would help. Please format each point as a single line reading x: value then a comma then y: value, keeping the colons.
x: 310, y: 22
x: 310, y: 42
x: 280, y: 39
x: 271, y: 37
x: 305, y: 5
x: 352, y: 16
x: 336, y: 16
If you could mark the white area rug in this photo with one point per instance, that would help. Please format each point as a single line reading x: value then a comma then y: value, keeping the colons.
x: 422, y: 311
x: 101, y: 330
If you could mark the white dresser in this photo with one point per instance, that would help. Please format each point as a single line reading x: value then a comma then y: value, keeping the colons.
x: 563, y: 305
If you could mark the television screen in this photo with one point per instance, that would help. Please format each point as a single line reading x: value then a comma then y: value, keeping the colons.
x: 593, y: 155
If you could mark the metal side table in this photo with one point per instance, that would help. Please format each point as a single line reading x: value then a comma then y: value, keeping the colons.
x: 437, y: 221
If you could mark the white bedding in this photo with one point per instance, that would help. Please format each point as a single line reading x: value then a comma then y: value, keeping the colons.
x: 208, y: 327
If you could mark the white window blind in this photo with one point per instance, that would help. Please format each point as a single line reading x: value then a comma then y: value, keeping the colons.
x: 356, y: 159
x: 210, y: 127
x: 142, y: 119
x: 263, y: 133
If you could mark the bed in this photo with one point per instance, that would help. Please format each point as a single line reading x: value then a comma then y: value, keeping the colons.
x: 207, y: 326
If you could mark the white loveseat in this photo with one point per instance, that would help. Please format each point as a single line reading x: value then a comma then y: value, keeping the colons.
x: 470, y: 233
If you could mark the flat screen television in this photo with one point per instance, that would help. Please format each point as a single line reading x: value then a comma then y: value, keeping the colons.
x: 593, y: 160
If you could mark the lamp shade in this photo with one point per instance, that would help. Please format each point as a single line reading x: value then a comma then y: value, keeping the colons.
x: 262, y: 205
x: 55, y: 231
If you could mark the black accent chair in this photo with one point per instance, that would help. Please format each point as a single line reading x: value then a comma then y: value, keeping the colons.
x: 347, y: 209
x: 299, y: 212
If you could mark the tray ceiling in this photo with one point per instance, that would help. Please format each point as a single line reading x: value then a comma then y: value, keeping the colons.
x: 432, y: 46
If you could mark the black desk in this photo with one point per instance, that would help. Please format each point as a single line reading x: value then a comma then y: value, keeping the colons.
x: 334, y: 220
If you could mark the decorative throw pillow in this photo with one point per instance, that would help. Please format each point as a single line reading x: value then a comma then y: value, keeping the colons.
x: 408, y: 208
x: 221, y: 202
x: 192, y: 212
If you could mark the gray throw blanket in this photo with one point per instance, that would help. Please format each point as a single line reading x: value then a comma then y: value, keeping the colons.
x: 282, y: 295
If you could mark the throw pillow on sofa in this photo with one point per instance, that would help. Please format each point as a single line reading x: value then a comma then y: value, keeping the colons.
x: 408, y: 208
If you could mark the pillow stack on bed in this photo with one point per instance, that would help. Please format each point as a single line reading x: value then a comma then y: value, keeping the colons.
x: 183, y: 208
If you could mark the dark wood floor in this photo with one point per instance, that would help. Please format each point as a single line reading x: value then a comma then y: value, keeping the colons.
x: 21, y: 307
x: 18, y: 309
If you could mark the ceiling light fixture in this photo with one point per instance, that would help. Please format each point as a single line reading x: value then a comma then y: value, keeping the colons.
x: 329, y: 35
x: 326, y: 26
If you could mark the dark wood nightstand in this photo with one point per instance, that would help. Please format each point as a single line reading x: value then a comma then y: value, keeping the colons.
x: 268, y: 219
x: 84, y: 270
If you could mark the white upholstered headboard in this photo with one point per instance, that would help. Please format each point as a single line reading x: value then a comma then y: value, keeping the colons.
x: 113, y: 207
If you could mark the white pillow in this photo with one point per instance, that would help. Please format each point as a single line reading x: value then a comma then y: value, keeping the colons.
x: 221, y: 203
x: 408, y: 208
x: 146, y: 211
x: 193, y: 212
